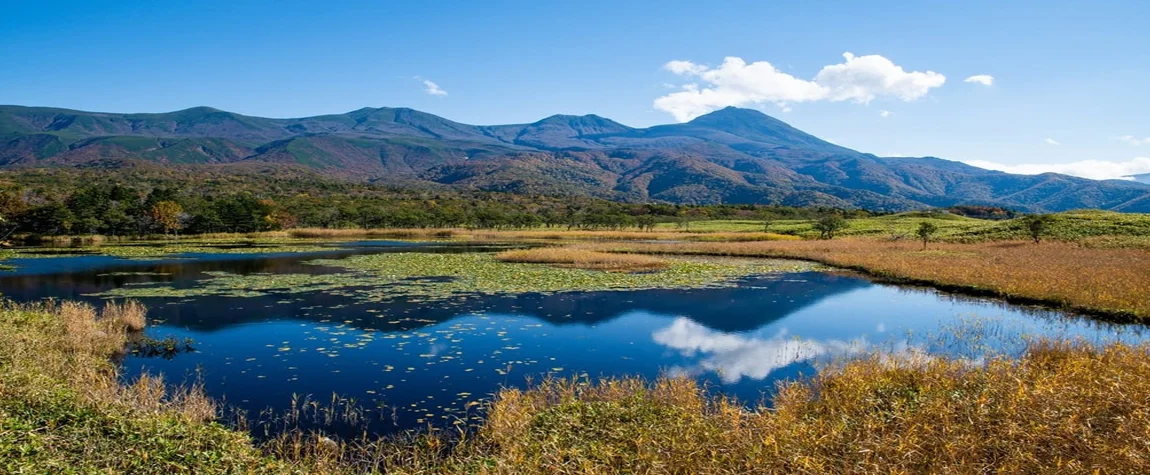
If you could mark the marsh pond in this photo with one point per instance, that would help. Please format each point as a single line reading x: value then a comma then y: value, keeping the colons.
x: 421, y: 333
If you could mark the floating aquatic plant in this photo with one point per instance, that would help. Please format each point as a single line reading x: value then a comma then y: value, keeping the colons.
x: 434, y: 277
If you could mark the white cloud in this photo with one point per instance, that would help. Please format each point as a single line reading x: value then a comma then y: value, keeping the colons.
x: 1094, y: 169
x: 433, y: 88
x: 1050, y: 141
x: 984, y: 79
x: 684, y: 68
x: 859, y: 79
x: 862, y: 78
x: 884, y: 113
x: 1132, y: 140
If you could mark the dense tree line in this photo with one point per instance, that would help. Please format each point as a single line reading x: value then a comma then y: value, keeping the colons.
x: 100, y: 203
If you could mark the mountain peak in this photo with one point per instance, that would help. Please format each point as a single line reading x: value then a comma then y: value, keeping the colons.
x: 199, y: 110
x: 583, y: 124
x: 731, y: 113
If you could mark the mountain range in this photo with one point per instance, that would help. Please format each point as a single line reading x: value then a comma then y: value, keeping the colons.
x: 1141, y: 178
x: 728, y: 156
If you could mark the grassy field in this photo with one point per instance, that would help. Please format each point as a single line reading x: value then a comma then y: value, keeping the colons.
x: 1060, y: 408
x: 1068, y: 226
x: 1103, y: 281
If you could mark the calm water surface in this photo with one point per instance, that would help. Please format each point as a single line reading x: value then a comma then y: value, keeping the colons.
x: 414, y: 363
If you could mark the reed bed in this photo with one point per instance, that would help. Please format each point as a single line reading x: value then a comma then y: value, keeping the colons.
x: 1060, y: 408
x: 582, y: 259
x: 63, y: 408
x: 534, y: 234
x: 1106, y: 281
x: 394, y: 233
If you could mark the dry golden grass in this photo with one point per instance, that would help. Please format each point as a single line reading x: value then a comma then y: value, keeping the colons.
x: 1100, y: 280
x: 63, y: 408
x: 1059, y: 409
x: 130, y: 313
x: 530, y: 234
x: 578, y: 235
x: 398, y: 233
x: 582, y: 259
x: 557, y: 234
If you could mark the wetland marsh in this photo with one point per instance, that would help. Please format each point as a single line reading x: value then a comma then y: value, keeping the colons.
x: 420, y: 334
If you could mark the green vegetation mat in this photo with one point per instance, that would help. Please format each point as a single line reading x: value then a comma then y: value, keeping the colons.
x: 423, y: 276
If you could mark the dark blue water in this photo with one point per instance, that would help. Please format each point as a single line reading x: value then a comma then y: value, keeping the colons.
x: 410, y: 364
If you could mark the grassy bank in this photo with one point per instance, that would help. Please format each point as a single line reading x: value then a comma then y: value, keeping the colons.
x: 1054, y: 410
x: 1060, y: 408
x: 1105, y: 281
x: 62, y: 408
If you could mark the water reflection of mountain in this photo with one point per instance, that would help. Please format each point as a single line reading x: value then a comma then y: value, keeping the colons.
x: 752, y: 304
x: 755, y: 302
x: 73, y: 276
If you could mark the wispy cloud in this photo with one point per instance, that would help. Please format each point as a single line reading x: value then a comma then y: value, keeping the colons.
x: 884, y: 113
x: 1132, y: 140
x: 1094, y: 169
x: 1050, y: 141
x: 431, y: 87
x: 984, y: 79
x: 738, y: 83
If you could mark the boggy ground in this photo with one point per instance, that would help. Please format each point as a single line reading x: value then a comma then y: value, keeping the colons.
x: 1059, y: 408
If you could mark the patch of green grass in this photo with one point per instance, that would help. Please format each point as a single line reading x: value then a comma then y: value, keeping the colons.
x: 902, y: 224
x: 1073, y: 226
x: 1067, y: 226
x: 6, y: 254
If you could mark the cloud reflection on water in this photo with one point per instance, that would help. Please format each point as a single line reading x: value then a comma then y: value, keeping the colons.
x: 734, y: 356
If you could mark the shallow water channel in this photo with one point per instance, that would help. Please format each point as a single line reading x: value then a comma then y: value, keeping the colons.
x: 413, y: 361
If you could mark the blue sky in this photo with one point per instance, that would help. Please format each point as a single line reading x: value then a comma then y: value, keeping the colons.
x: 1069, y: 89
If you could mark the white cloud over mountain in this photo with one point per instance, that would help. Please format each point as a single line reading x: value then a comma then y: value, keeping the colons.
x: 1094, y: 169
x: 735, y: 82
x: 433, y: 88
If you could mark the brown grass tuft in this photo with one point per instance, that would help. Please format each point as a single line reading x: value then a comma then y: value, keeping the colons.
x: 583, y: 259
x: 130, y: 313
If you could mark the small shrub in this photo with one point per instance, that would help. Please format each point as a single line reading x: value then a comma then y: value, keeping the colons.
x: 828, y: 226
